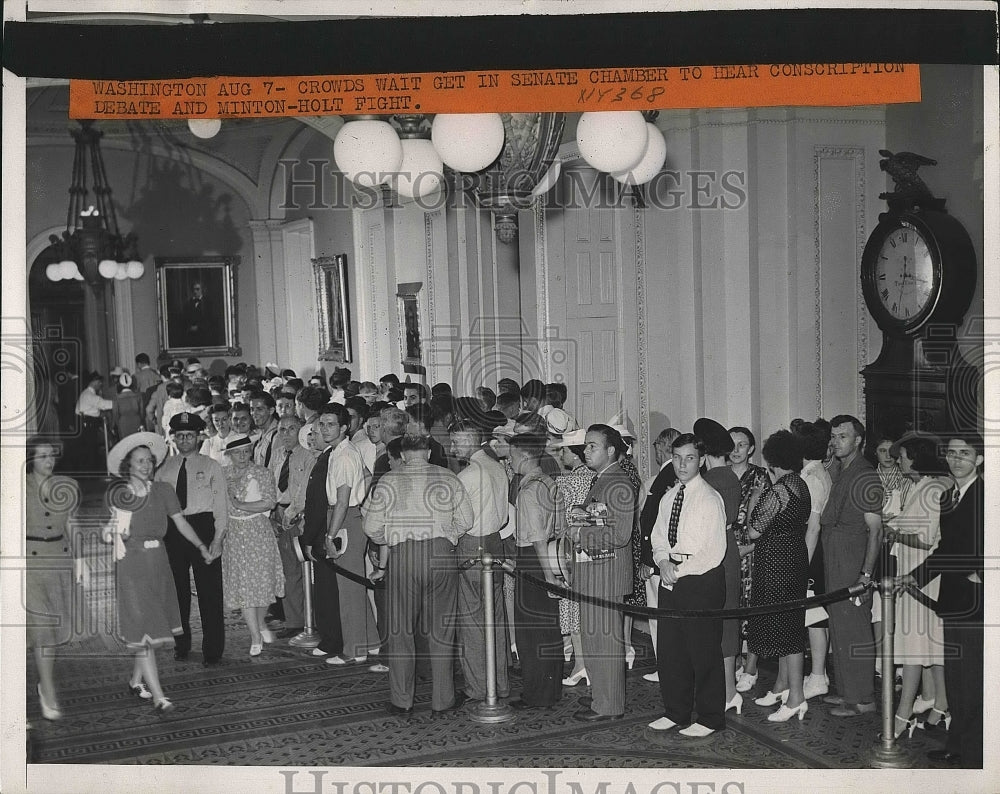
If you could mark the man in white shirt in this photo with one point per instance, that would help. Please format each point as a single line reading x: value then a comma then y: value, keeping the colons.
x: 265, y: 423
x: 689, y: 542
x: 89, y: 407
x: 486, y: 483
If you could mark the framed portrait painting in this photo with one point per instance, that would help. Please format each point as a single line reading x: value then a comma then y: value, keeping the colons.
x: 196, y: 299
x: 409, y: 308
x: 333, y: 308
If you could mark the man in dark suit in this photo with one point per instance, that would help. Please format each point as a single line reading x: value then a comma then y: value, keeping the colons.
x: 198, y: 320
x: 655, y: 488
x: 604, y: 569
x: 958, y: 560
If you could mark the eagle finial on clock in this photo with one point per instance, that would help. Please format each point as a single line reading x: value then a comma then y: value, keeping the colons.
x: 911, y: 191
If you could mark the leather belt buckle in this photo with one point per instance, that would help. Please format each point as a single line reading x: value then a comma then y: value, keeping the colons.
x: 151, y: 544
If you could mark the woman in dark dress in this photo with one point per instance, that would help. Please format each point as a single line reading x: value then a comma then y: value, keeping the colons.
x: 781, y: 561
x: 146, y: 599
x: 50, y: 502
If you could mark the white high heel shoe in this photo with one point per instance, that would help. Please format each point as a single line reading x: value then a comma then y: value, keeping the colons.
x: 575, y: 679
x: 771, y: 698
x: 267, y: 636
x: 785, y: 713
x: 630, y: 656
x: 49, y: 711
x: 920, y: 705
x: 745, y: 682
x: 736, y: 703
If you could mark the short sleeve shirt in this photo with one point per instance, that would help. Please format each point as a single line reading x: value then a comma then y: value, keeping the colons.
x: 538, y: 504
x: 346, y: 468
x: 856, y: 490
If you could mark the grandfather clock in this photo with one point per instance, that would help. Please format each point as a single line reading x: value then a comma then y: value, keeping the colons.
x: 918, y: 276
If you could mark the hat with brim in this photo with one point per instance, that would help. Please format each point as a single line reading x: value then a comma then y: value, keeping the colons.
x: 911, y: 435
x: 186, y: 421
x: 558, y: 422
x: 238, y: 442
x: 574, y: 438
x: 623, y: 425
x: 121, y: 450
x: 715, y: 437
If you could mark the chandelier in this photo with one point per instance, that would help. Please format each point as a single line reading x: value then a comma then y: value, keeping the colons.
x: 92, y: 249
x: 511, y: 157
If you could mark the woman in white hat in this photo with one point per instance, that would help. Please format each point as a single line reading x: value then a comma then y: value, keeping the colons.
x: 148, y: 615
x: 252, y: 574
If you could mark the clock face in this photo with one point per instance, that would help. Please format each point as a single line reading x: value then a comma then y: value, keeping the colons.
x: 904, y: 274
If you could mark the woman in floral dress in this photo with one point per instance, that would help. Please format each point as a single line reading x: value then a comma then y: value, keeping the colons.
x: 574, y: 486
x: 252, y: 575
x: 753, y: 482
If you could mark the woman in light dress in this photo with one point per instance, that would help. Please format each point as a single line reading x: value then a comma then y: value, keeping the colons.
x: 915, y: 531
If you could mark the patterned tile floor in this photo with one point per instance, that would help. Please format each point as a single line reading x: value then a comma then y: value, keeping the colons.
x: 289, y: 708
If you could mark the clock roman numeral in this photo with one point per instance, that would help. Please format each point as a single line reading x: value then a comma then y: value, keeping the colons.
x: 894, y: 308
x: 892, y: 242
x: 885, y: 294
x: 907, y: 311
x: 881, y: 276
x: 902, y: 237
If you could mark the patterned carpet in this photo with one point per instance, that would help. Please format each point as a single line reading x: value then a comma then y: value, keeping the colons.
x: 288, y: 708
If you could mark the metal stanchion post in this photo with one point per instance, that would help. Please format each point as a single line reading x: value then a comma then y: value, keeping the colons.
x: 308, y: 637
x: 490, y: 710
x: 887, y: 754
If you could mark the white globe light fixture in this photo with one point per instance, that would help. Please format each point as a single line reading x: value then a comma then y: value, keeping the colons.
x: 135, y: 269
x: 468, y: 141
x: 205, y: 128
x: 649, y: 164
x: 612, y: 141
x: 368, y: 151
x: 421, y: 172
x: 68, y: 269
x: 53, y: 272
x: 107, y: 268
x: 121, y: 273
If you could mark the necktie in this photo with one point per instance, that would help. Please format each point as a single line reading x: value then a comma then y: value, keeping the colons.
x: 267, y: 454
x: 675, y: 516
x: 283, y: 474
x: 182, y: 484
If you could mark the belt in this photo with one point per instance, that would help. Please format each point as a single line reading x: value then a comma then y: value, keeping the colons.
x: 151, y: 544
x: 45, y: 540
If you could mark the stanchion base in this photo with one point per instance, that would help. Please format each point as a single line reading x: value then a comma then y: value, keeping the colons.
x: 485, y: 713
x: 306, y: 639
x: 884, y: 758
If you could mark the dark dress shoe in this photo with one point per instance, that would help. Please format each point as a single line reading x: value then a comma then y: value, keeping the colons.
x: 392, y: 708
x: 288, y: 633
x: 586, y: 702
x: 520, y: 705
x: 945, y: 755
x: 589, y: 715
x: 213, y: 662
x: 180, y: 656
x: 460, y: 700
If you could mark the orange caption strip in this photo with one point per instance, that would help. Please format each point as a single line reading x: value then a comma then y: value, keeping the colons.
x: 548, y: 90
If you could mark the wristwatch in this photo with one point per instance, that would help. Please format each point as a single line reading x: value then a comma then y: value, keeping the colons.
x: 866, y: 574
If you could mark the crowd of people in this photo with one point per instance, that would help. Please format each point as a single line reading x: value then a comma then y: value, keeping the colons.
x: 392, y: 491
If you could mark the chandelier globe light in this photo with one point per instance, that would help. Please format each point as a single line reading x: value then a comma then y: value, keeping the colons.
x: 612, y: 141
